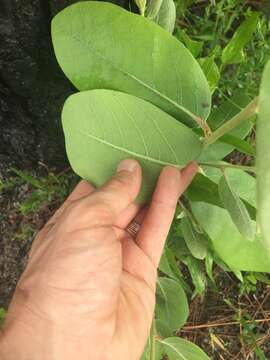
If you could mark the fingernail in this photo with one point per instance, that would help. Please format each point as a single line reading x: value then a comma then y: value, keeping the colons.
x: 127, y: 165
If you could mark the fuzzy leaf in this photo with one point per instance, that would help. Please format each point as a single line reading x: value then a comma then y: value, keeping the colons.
x: 95, y: 50
x: 236, y: 208
x: 152, y: 8
x: 195, y: 241
x: 172, y: 306
x: 103, y: 127
x: 263, y: 157
x: 230, y: 245
x: 180, y: 349
x: 167, y: 15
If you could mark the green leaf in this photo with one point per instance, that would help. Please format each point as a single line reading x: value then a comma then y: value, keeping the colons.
x: 209, y: 262
x: 211, y: 71
x: 180, y: 349
x: 241, y: 182
x: 152, y: 8
x: 95, y: 50
x: 141, y: 6
x: 167, y: 15
x: 230, y: 245
x: 236, y: 208
x: 233, y: 52
x: 158, y: 353
x: 168, y: 264
x: 218, y: 117
x: 171, y: 306
x: 239, y: 144
x: 203, y: 189
x: 197, y: 275
x: 103, y: 127
x: 195, y: 241
x: 195, y: 47
x: 263, y: 157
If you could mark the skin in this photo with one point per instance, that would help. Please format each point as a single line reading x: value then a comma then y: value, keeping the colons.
x: 88, y: 291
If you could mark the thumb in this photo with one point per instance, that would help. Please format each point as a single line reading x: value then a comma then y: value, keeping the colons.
x: 119, y: 192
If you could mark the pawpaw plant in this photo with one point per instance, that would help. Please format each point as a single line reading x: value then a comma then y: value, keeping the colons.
x: 143, y: 95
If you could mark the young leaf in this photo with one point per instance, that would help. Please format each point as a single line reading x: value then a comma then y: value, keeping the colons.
x: 204, y: 189
x: 229, y: 244
x: 211, y: 71
x: 236, y: 208
x: 198, y: 278
x: 195, y: 47
x: 243, y: 183
x: 103, y: 127
x: 195, y: 241
x: 233, y: 52
x: 95, y: 50
x: 263, y: 157
x: 180, y: 349
x: 152, y: 8
x: 172, y: 306
x: 167, y: 15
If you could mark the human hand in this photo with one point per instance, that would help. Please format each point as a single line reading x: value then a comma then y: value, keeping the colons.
x: 88, y: 291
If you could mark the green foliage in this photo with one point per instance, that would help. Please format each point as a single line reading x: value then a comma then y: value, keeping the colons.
x: 136, y: 81
x: 234, y: 51
x: 43, y: 191
x: 230, y: 245
x: 83, y: 34
x: 2, y: 315
x: 263, y: 157
x: 194, y: 240
x: 172, y: 306
x: 166, y: 15
x: 236, y: 208
x: 179, y: 349
x: 126, y: 127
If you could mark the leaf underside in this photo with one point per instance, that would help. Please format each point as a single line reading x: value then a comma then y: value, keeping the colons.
x: 103, y: 127
x: 95, y: 50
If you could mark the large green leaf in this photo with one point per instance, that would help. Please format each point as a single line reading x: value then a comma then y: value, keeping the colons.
x: 100, y: 45
x: 103, y: 127
x: 263, y: 157
x: 180, y: 349
x: 233, y: 52
x: 195, y: 241
x: 230, y: 245
x: 171, y: 307
x: 236, y: 208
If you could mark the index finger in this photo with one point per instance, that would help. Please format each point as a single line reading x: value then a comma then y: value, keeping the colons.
x: 156, y: 225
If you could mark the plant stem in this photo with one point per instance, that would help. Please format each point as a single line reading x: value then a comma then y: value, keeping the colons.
x: 153, y: 341
x: 238, y: 119
x: 222, y: 166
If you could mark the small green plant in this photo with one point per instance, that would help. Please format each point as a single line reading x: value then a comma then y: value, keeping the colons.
x: 2, y: 315
x: 142, y: 94
x: 44, y: 191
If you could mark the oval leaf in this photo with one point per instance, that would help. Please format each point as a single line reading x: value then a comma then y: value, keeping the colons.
x: 103, y: 127
x: 96, y: 49
x: 171, y: 307
x: 152, y: 8
x: 263, y: 157
x: 180, y: 349
x: 236, y: 209
x: 167, y: 15
x: 230, y: 245
x: 195, y: 241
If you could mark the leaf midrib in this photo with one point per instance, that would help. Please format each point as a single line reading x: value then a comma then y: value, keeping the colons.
x: 133, y: 153
x: 174, y: 349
